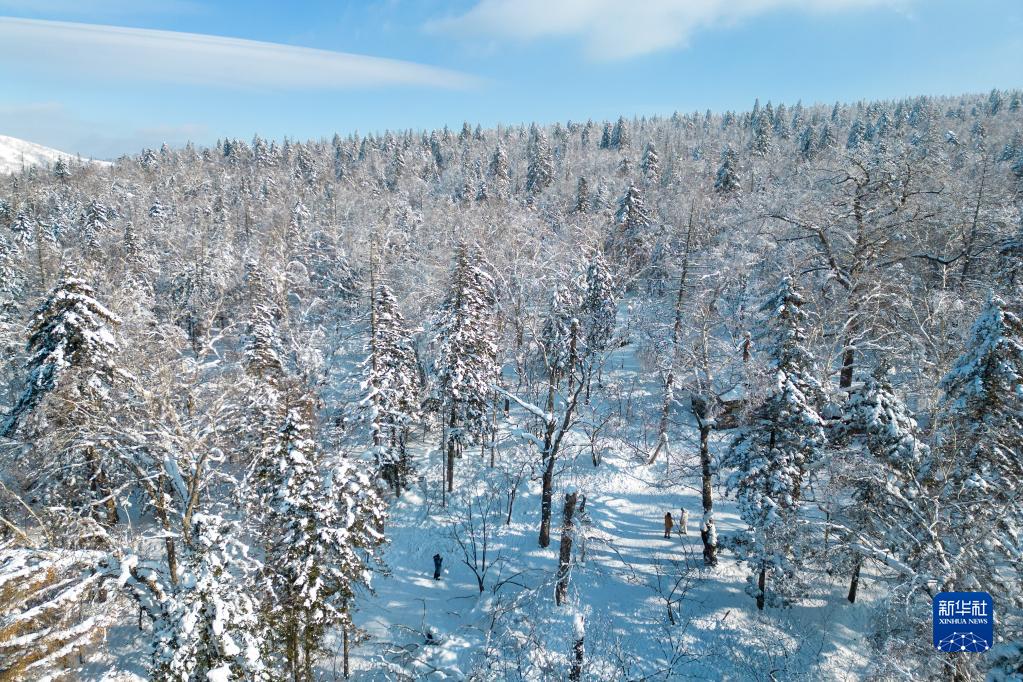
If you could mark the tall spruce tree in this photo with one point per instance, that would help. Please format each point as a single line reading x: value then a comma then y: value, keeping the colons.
x: 651, y: 164
x: 982, y: 452
x: 207, y: 627
x: 630, y: 239
x: 540, y: 169
x: 71, y: 334
x: 727, y: 179
x: 773, y: 455
x: 467, y: 364
x: 393, y: 387
x: 320, y: 528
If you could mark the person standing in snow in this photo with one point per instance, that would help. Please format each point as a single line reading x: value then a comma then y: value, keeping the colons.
x: 668, y: 523
x: 683, y: 522
x: 437, y: 560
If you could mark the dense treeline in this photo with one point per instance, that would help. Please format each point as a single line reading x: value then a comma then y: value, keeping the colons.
x: 219, y: 364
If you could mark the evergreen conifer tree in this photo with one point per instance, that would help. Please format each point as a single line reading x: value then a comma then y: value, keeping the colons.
x: 773, y: 455
x: 540, y: 171
x: 727, y: 180
x: 467, y: 364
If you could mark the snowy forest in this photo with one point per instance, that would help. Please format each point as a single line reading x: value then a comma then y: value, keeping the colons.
x: 415, y: 405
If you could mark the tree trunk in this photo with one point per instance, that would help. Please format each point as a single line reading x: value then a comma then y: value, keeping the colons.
x: 100, y: 486
x: 854, y: 584
x: 762, y: 587
x: 971, y: 238
x: 565, y: 553
x: 553, y: 433
x: 546, y: 500
x: 160, y: 506
x: 493, y: 433
x: 39, y: 255
x: 662, y: 429
x: 511, y: 502
x: 307, y: 656
x: 848, y: 360
x: 450, y: 474
x: 346, y: 664
x: 576, y: 673
x: 292, y: 651
x: 708, y: 533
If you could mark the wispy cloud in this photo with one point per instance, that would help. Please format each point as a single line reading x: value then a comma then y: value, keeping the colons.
x: 118, y: 53
x: 612, y: 29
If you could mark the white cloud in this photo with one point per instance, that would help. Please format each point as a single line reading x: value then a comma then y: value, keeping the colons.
x: 118, y: 54
x: 613, y: 29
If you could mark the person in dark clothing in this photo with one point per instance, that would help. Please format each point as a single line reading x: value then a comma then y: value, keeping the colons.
x: 437, y: 560
x: 668, y: 523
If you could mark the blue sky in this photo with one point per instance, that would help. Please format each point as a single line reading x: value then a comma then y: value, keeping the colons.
x: 427, y: 63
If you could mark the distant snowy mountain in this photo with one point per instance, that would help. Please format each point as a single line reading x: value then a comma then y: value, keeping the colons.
x: 15, y: 154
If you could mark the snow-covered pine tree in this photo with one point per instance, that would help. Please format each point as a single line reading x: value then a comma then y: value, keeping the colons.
x: 1017, y: 166
x: 762, y: 142
x: 320, y: 529
x: 651, y: 164
x: 208, y: 627
x: 72, y: 372
x: 808, y: 143
x: 23, y: 228
x: 71, y: 333
x: 621, y: 138
x: 979, y: 440
x: 12, y: 279
x: 857, y: 133
x: 582, y: 196
x: 540, y: 169
x: 897, y: 515
x: 393, y: 387
x: 264, y: 382
x: 499, y: 165
x: 294, y: 235
x: 630, y: 236
x: 134, y: 256
x: 555, y: 335
x: 94, y: 221
x: 727, y: 179
x: 61, y: 171
x: 599, y: 306
x: 1010, y: 148
x: 881, y: 475
x: 827, y: 139
x: 773, y: 455
x: 781, y: 123
x: 467, y: 364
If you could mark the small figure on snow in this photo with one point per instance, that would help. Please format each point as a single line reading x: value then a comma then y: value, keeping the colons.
x: 683, y: 522
x: 668, y: 523
x: 437, y: 560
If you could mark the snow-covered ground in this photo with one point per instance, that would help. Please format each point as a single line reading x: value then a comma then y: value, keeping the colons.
x: 625, y: 579
x: 16, y: 154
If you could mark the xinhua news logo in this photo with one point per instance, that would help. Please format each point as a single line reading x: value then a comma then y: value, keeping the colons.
x: 964, y: 621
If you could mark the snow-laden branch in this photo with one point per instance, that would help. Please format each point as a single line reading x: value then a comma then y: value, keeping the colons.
x: 547, y: 417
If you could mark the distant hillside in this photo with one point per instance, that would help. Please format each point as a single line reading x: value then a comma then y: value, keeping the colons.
x: 15, y: 154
